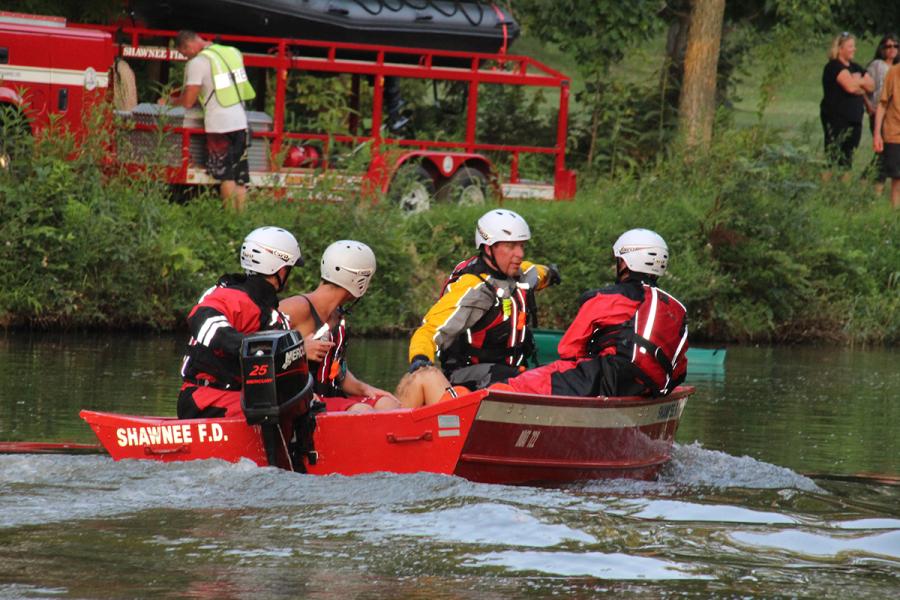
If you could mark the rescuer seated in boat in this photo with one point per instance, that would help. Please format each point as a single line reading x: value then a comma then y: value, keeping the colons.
x: 480, y: 326
x: 320, y: 317
x: 238, y: 305
x: 628, y: 339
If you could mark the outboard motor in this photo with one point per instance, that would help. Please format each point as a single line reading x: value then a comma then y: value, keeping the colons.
x: 277, y: 389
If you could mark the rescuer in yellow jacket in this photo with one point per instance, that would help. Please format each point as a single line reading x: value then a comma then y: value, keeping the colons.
x: 480, y: 327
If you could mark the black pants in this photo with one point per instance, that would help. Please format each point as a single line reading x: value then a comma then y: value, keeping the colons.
x: 601, y: 376
x: 841, y: 139
x: 188, y: 409
x: 476, y: 377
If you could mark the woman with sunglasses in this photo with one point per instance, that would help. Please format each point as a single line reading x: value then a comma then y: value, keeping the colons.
x: 844, y: 84
x: 885, y: 57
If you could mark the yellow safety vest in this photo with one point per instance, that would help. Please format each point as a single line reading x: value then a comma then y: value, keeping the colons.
x: 229, y: 77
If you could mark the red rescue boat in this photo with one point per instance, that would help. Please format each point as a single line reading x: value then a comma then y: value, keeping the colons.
x: 488, y: 436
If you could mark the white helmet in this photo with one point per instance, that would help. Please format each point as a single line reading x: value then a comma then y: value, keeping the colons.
x: 501, y: 225
x: 350, y: 265
x: 267, y: 249
x: 643, y: 251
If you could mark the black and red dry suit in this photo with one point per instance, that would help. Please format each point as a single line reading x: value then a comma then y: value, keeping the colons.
x: 627, y: 339
x: 236, y: 306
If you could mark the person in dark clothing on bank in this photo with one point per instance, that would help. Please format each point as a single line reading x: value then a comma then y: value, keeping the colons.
x: 844, y: 85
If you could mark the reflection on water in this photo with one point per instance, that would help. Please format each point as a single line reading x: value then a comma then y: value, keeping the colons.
x: 593, y: 564
x: 735, y: 514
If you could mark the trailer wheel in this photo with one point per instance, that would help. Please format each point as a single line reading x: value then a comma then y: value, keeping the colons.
x: 412, y: 189
x: 467, y: 187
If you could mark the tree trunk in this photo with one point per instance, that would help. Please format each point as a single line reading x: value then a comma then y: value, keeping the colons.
x: 697, y: 106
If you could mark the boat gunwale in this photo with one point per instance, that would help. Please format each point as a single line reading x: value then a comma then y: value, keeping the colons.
x: 425, y: 412
x: 599, y: 402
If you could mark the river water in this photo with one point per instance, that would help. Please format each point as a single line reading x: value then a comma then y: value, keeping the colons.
x: 780, y: 486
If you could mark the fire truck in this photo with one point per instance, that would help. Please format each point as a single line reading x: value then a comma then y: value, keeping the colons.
x: 55, y: 72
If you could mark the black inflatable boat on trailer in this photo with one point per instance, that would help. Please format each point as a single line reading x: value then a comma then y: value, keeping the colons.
x: 470, y: 26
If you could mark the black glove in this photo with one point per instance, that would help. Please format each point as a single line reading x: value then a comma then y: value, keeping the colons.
x: 553, y: 274
x: 419, y: 361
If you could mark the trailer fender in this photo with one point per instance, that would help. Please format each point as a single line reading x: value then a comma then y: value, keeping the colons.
x: 440, y: 165
x: 9, y: 96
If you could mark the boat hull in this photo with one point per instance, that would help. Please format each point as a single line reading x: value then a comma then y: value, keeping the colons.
x: 486, y: 436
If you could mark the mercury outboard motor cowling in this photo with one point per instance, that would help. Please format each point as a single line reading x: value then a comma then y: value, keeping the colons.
x: 276, y: 376
x: 278, y: 387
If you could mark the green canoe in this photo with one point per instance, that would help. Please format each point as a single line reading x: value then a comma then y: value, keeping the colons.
x: 547, y: 340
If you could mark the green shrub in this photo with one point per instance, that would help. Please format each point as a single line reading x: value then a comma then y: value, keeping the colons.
x: 762, y: 249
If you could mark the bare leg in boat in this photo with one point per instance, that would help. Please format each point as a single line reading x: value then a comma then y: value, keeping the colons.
x: 422, y: 387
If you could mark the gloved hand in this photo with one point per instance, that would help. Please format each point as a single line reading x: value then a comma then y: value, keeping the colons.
x: 419, y: 361
x: 553, y: 274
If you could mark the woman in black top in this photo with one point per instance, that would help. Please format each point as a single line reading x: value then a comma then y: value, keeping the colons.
x: 844, y: 83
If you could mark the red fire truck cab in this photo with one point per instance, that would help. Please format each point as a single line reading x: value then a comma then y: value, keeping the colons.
x: 55, y: 72
x: 50, y: 70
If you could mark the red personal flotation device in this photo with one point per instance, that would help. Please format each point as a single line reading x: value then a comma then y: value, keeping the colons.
x: 658, y: 339
x: 457, y: 272
x: 654, y: 340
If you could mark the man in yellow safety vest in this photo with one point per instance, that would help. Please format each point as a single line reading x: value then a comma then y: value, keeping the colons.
x: 214, y: 75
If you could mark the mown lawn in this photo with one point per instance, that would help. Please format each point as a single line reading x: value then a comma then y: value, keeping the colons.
x: 794, y: 110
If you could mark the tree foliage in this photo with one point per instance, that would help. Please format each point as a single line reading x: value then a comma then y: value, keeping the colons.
x: 597, y: 34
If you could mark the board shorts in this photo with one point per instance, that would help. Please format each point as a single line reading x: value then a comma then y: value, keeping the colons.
x: 891, y: 160
x: 226, y: 156
x: 341, y: 404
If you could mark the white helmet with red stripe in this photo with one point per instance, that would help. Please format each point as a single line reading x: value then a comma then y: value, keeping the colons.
x: 350, y: 265
x: 643, y: 251
x: 267, y: 249
x: 501, y: 225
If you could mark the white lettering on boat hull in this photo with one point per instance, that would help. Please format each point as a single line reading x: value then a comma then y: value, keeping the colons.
x: 167, y: 435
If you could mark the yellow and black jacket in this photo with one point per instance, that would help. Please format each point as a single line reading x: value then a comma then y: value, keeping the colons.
x: 481, y: 317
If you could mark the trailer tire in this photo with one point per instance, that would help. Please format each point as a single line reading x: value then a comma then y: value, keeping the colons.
x: 412, y: 189
x: 467, y: 187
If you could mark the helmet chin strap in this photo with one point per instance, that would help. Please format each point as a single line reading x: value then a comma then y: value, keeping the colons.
x: 282, y: 281
x: 345, y: 310
x: 489, y: 258
x: 622, y: 272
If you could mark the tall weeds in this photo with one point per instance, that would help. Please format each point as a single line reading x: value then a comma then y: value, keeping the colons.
x: 762, y: 250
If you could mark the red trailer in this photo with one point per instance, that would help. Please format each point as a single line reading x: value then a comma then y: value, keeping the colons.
x: 49, y: 67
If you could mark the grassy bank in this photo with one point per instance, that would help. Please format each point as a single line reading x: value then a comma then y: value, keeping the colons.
x: 762, y: 249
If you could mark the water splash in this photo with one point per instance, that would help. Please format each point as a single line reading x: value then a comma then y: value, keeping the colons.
x: 693, y: 465
x: 694, y: 468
